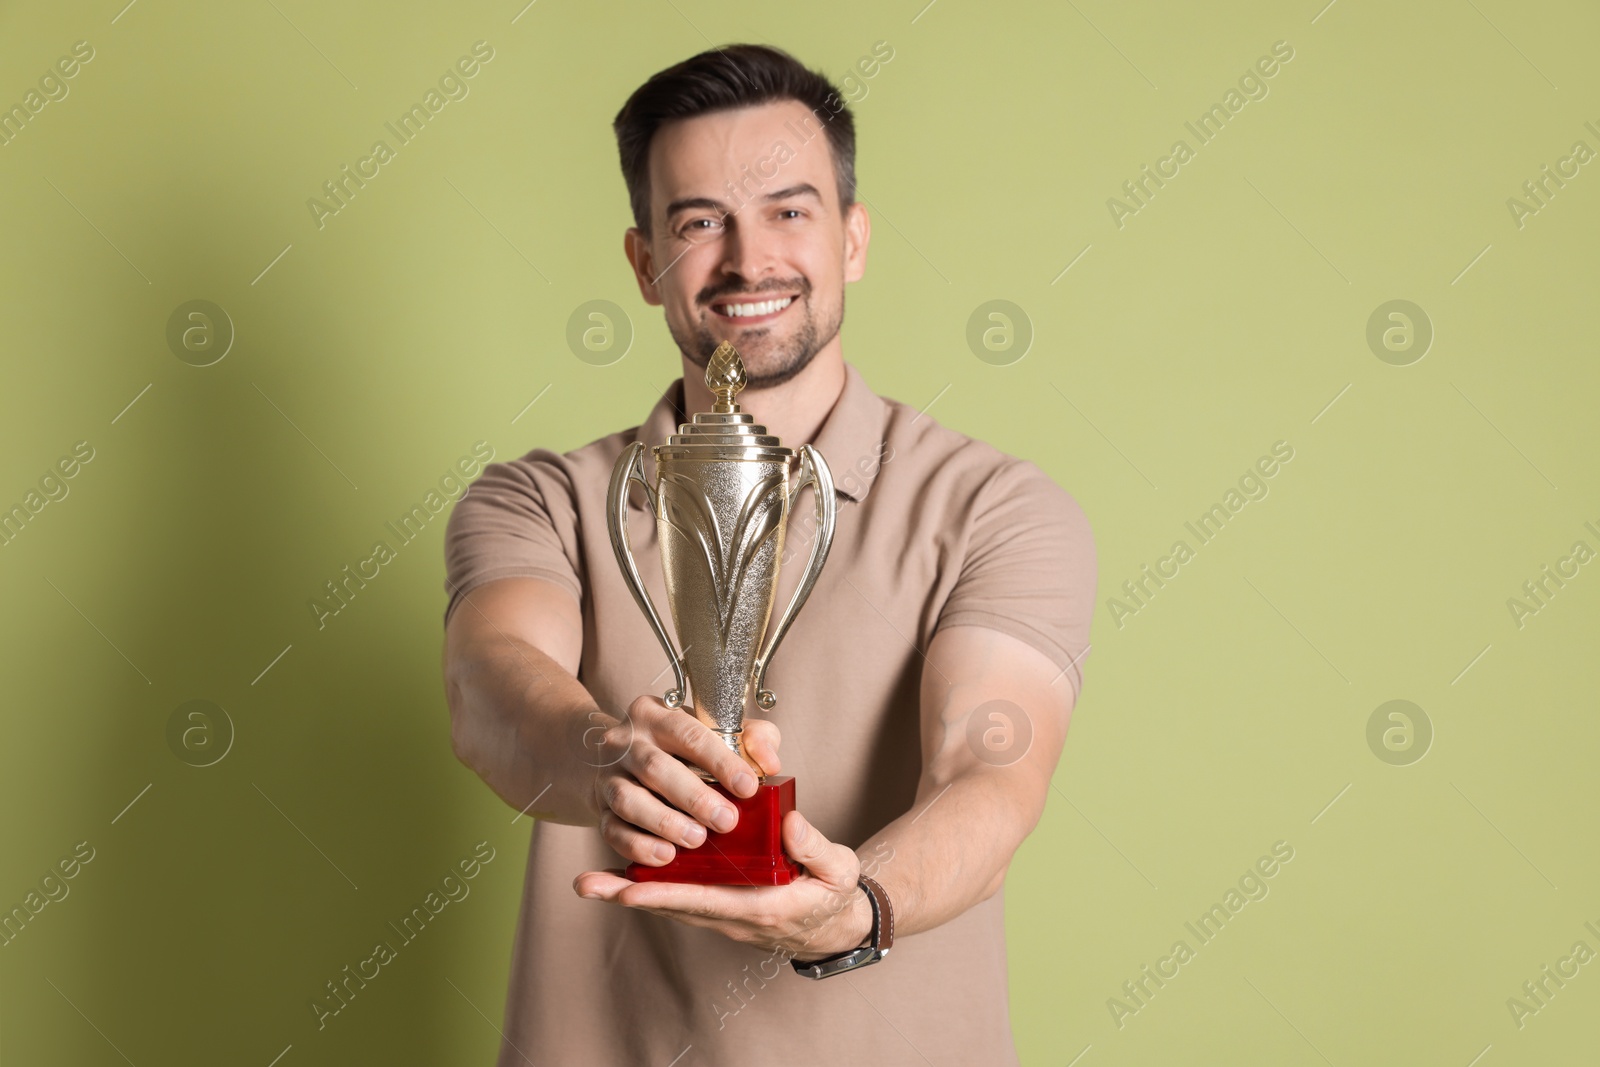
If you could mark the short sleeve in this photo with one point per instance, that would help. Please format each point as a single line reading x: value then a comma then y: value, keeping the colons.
x: 518, y: 520
x: 1029, y: 569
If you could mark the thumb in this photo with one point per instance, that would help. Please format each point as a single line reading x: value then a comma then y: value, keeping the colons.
x: 805, y: 844
x: 761, y: 740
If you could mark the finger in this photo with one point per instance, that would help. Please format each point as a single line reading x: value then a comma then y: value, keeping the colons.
x: 747, y: 913
x: 707, y: 903
x: 836, y: 865
x: 632, y: 843
x: 699, y: 744
x: 637, y: 801
x: 666, y: 778
x: 761, y: 739
x: 600, y: 885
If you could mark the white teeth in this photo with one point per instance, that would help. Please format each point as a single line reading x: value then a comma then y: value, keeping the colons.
x: 766, y: 307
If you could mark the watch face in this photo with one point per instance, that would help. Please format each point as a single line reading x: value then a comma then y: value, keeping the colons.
x: 845, y: 961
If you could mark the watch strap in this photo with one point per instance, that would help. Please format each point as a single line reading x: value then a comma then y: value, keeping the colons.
x: 882, y: 936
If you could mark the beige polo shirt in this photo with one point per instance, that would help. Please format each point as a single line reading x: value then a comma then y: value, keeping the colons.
x: 934, y: 529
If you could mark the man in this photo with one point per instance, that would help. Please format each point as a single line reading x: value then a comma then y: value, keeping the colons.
x: 924, y: 690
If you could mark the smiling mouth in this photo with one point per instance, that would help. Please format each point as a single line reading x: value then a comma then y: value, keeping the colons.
x: 753, y: 311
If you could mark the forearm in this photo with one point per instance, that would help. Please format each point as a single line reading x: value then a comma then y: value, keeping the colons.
x: 993, y: 726
x: 952, y: 849
x: 520, y: 721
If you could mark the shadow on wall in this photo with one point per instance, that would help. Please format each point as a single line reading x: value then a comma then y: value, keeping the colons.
x: 298, y: 808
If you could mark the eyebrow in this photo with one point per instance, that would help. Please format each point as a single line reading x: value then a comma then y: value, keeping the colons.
x: 803, y: 189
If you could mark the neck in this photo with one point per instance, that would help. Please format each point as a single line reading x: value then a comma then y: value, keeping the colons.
x: 795, y: 410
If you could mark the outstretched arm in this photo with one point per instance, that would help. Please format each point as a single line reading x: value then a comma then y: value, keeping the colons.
x: 994, y: 720
x: 517, y: 711
x: 520, y: 718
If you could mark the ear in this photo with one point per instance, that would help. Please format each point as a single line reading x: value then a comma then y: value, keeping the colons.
x: 857, y: 232
x: 637, y: 247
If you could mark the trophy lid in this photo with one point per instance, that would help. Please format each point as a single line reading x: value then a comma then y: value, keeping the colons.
x: 711, y: 434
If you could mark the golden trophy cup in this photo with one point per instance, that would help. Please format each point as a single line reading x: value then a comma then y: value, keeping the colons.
x: 721, y: 503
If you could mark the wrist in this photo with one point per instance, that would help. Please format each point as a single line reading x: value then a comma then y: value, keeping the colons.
x: 856, y: 921
x: 849, y: 927
x: 878, y: 939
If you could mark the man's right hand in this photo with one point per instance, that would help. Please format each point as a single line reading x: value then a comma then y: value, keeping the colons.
x: 647, y: 800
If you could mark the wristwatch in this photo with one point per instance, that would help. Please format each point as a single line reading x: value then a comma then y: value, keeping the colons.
x: 876, y: 948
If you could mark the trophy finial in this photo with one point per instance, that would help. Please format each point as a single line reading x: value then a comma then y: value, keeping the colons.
x: 725, y: 377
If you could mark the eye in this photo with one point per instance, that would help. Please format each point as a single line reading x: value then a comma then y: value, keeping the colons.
x: 796, y: 212
x: 701, y: 229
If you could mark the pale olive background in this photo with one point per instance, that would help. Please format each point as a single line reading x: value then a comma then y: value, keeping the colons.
x: 1230, y: 313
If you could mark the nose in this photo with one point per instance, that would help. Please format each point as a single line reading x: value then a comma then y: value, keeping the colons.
x: 747, y: 251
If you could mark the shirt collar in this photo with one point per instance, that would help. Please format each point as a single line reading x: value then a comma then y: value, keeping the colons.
x: 850, y: 439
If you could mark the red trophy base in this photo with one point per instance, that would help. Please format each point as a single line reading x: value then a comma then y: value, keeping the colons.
x: 749, y: 854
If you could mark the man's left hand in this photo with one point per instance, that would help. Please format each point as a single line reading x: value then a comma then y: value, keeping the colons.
x: 818, y: 914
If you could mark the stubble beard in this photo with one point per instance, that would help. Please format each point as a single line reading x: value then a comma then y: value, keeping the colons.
x: 767, y: 362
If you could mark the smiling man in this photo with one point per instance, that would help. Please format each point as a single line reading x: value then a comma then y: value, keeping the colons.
x: 926, y: 687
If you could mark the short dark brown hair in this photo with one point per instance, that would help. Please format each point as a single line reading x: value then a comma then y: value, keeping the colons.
x: 720, y: 79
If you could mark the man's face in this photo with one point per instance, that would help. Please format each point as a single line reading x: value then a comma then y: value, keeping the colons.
x: 748, y: 242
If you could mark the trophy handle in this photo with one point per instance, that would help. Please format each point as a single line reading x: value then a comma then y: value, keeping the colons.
x: 813, y: 472
x: 630, y: 468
